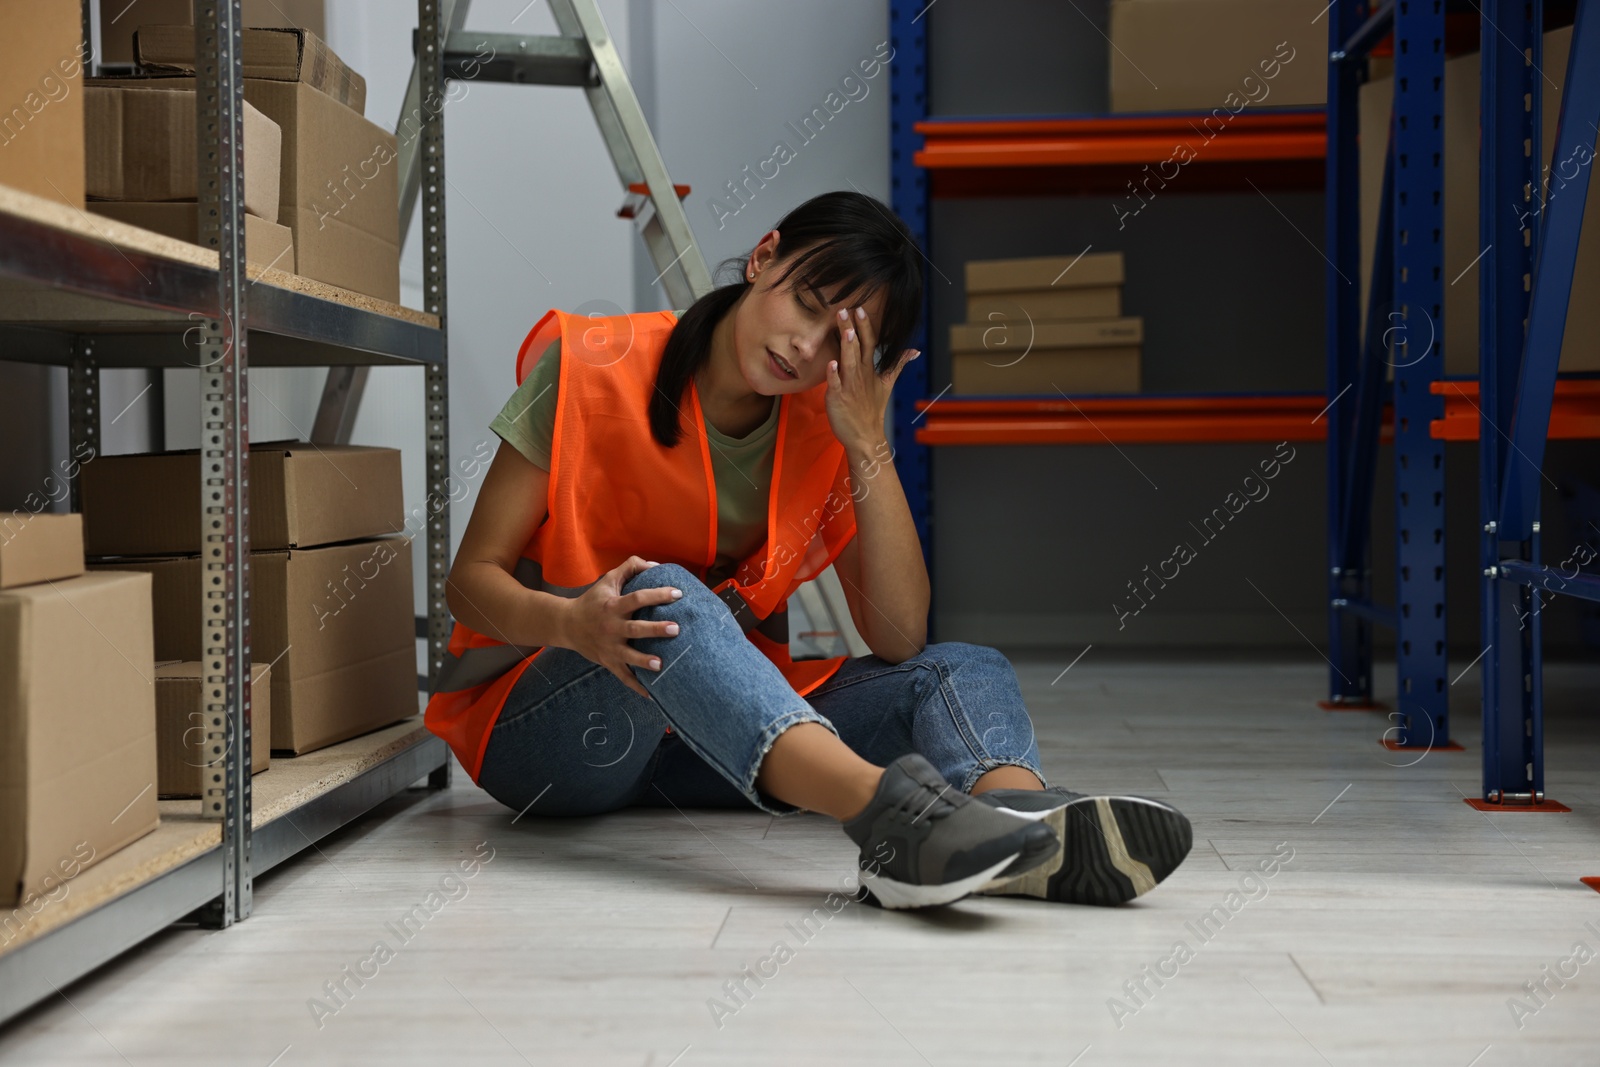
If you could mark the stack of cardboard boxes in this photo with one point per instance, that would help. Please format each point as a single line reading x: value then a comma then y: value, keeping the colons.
x: 321, y: 184
x: 1046, y: 325
x: 77, y: 713
x: 329, y: 575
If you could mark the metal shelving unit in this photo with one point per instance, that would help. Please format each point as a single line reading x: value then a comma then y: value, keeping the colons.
x: 1517, y: 376
x: 1518, y: 403
x: 1040, y: 156
x: 114, y: 306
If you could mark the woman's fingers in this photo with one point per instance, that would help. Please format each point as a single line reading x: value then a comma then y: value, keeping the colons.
x: 866, y: 339
x: 637, y: 628
x: 643, y: 598
x: 849, y: 341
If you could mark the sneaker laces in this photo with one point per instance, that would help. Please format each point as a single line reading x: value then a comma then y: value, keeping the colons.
x: 918, y: 806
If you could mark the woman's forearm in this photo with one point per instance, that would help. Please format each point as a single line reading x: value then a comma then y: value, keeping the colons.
x: 489, y: 600
x: 894, y: 589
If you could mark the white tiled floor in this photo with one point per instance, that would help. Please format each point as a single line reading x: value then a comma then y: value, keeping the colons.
x: 1397, y: 934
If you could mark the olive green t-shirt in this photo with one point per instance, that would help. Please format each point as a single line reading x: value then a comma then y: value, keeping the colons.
x: 741, y: 466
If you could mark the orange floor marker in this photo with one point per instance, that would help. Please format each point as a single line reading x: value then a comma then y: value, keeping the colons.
x: 1543, y: 805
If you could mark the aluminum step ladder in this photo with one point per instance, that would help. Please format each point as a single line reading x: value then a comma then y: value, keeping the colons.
x: 583, y: 55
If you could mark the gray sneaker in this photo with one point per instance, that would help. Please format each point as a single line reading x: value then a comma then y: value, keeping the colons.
x: 1113, y: 848
x: 925, y: 842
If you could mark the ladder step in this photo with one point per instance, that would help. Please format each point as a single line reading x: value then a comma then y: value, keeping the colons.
x: 639, y: 196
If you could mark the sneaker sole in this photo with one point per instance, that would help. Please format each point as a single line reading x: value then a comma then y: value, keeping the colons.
x: 1113, y: 850
x: 895, y: 895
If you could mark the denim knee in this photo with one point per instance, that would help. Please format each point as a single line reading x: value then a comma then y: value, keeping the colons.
x: 964, y: 654
x: 662, y: 575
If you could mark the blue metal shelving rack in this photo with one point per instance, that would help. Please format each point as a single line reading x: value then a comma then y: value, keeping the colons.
x: 1404, y: 332
x: 909, y: 196
x: 1517, y: 372
x: 1523, y: 275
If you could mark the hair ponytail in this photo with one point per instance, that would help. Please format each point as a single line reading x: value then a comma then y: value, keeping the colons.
x: 688, y: 348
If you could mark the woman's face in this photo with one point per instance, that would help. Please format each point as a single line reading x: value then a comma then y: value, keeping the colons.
x: 794, y: 325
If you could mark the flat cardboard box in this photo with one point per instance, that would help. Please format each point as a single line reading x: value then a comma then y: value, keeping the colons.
x: 181, y: 760
x: 40, y: 548
x: 120, y: 19
x: 1050, y: 371
x: 41, y: 101
x: 1580, y: 345
x: 301, y: 494
x: 266, y: 244
x: 1181, y: 55
x: 335, y: 623
x: 1093, y: 302
x: 140, y: 143
x: 77, y: 733
x: 1011, y: 339
x: 275, y: 54
x: 1091, y: 269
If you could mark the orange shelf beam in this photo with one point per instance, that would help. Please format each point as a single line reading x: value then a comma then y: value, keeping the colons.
x: 1195, y: 152
x: 1121, y: 139
x: 1123, y: 420
x: 1574, y: 412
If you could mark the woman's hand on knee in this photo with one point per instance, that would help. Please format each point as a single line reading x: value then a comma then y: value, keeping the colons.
x: 600, y: 623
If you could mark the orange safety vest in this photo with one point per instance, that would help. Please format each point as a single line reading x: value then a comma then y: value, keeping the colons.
x: 616, y: 492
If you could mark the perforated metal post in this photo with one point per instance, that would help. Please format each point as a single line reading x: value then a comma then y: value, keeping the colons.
x: 1418, y: 205
x: 1349, y: 634
x: 435, y: 299
x: 908, y: 195
x: 83, y: 407
x: 224, y: 455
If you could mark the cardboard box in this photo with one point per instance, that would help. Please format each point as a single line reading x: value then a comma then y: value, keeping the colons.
x: 1580, y: 346
x: 1004, y: 342
x: 40, y: 548
x: 1022, y: 305
x: 1092, y: 269
x: 1050, y: 371
x: 1180, y: 55
x: 77, y: 733
x: 301, y: 494
x: 120, y: 19
x: 181, y: 760
x: 140, y: 142
x: 266, y: 244
x: 275, y: 54
x: 41, y: 102
x: 334, y: 622
x: 339, y: 192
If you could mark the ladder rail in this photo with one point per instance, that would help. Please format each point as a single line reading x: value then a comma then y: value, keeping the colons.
x: 638, y: 161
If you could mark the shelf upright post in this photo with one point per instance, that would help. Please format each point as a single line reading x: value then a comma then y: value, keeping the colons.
x: 908, y: 188
x: 224, y: 453
x: 1421, y: 651
x: 83, y: 405
x: 435, y: 293
x: 1349, y: 634
x: 1517, y: 375
x: 1508, y: 191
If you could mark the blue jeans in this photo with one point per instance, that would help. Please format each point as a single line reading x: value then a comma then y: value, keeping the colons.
x: 573, y: 740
